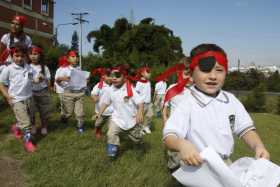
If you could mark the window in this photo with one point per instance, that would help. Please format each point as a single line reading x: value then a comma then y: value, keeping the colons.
x: 27, y: 4
x: 45, y: 6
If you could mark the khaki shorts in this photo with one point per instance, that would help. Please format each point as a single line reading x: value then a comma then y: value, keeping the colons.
x: 114, y: 131
x: 74, y: 102
x: 23, y: 111
x: 99, y: 122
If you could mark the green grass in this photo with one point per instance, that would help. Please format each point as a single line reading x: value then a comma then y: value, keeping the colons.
x: 65, y: 158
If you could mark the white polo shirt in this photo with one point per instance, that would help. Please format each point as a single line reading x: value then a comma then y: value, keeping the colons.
x: 6, y: 40
x: 208, y: 121
x: 160, y: 87
x: 144, y: 90
x: 124, y: 111
x: 37, y: 86
x: 20, y: 81
x: 174, y: 101
x: 63, y: 72
x: 100, y: 93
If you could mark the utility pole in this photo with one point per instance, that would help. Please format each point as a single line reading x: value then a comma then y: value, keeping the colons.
x: 79, y: 17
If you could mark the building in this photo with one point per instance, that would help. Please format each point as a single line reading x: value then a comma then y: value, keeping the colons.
x: 38, y: 12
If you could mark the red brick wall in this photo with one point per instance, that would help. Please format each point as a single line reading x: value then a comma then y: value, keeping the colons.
x: 17, y: 2
x: 45, y: 28
x: 6, y: 14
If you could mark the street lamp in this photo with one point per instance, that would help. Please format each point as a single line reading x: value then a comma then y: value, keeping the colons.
x: 56, y: 30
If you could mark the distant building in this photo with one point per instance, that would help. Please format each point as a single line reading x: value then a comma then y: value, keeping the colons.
x: 38, y: 12
x: 264, y: 69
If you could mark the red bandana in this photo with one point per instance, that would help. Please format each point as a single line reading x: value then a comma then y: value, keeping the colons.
x: 175, y: 90
x: 220, y: 58
x: 21, y: 19
x: 99, y: 71
x: 72, y: 53
x: 63, y: 62
x: 35, y: 49
x: 5, y: 54
x: 169, y: 71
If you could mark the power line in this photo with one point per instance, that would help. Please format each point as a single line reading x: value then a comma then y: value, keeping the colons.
x: 80, y: 18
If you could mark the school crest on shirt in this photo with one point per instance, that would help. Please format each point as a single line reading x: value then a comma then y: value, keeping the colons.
x: 126, y: 99
x: 231, y: 119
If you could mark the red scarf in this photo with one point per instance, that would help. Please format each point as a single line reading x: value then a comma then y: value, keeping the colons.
x: 175, y: 90
x: 129, y: 89
x: 169, y: 71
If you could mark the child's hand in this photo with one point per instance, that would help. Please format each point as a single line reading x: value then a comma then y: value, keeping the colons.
x: 261, y: 152
x: 189, y: 154
x: 10, y: 99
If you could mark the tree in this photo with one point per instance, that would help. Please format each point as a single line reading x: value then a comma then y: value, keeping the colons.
x: 75, y: 42
x: 142, y: 44
x: 256, y: 100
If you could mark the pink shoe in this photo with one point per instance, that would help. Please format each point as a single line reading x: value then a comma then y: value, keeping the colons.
x: 16, y: 131
x: 29, y: 146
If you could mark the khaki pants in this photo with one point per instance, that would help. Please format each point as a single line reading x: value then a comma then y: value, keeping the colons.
x: 114, y: 131
x: 158, y: 102
x: 42, y: 102
x: 148, y: 114
x: 23, y: 111
x: 62, y: 108
x: 73, y: 102
x: 101, y: 121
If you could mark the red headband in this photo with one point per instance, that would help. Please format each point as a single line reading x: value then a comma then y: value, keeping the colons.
x: 120, y: 69
x: 36, y: 49
x: 63, y: 62
x: 171, y: 70
x: 72, y: 53
x: 21, y: 19
x: 219, y: 56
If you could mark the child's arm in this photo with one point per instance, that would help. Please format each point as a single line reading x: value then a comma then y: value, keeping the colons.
x: 95, y: 98
x: 187, y: 151
x: 60, y: 79
x: 102, y: 109
x: 252, y: 139
x: 140, y: 113
x: 5, y: 93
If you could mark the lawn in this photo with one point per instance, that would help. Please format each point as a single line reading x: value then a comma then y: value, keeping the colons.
x: 65, y: 158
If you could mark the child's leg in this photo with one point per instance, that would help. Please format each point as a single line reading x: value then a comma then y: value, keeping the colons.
x: 33, y: 115
x: 113, y: 139
x: 79, y: 110
x: 23, y: 111
x: 43, y: 104
x: 62, y: 107
x: 148, y: 114
x: 135, y: 134
x: 98, y: 125
x: 68, y: 103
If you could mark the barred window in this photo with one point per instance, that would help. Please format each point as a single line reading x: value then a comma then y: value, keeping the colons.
x: 45, y: 6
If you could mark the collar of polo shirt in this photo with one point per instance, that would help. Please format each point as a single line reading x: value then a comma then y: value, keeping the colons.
x: 204, y: 99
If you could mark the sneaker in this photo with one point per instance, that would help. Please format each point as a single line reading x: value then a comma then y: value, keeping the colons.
x: 44, y: 131
x: 80, y: 130
x: 33, y: 130
x: 16, y: 131
x: 112, y: 150
x: 147, y: 130
x: 28, y: 144
x: 98, y: 133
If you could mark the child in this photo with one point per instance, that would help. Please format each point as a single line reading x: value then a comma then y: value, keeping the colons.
x: 73, y: 96
x: 16, y: 35
x: 19, y: 94
x: 143, y: 88
x: 160, y: 89
x: 174, y: 95
x: 208, y: 116
x: 97, y: 92
x: 40, y: 88
x: 127, y: 111
x: 62, y: 62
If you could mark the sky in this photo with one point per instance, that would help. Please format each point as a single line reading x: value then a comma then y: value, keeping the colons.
x: 248, y: 30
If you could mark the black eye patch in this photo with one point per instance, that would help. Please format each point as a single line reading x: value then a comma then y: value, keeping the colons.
x: 206, y: 64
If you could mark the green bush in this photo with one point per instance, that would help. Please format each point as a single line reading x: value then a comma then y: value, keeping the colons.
x: 255, y: 101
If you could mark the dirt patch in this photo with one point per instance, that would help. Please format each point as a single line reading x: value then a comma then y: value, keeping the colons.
x: 10, y: 172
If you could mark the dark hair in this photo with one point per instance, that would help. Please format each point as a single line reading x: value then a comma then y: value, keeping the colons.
x: 41, y: 60
x: 206, y: 47
x: 18, y: 47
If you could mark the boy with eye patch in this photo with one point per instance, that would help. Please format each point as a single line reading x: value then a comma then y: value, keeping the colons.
x: 127, y: 114
x: 209, y: 116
